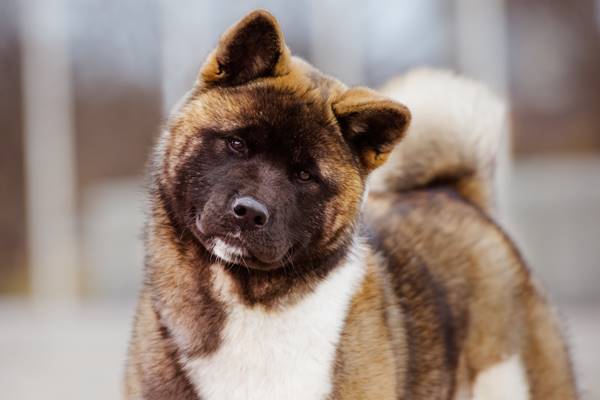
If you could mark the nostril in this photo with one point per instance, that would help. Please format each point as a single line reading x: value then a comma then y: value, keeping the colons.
x: 259, y: 220
x: 239, y: 210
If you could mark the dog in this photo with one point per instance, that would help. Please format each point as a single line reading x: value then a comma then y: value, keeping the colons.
x: 307, y: 240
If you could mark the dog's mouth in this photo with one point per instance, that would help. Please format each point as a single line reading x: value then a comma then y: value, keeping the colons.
x: 232, y: 250
x: 235, y: 248
x: 229, y: 250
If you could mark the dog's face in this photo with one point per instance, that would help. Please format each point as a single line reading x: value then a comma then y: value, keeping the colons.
x: 266, y: 161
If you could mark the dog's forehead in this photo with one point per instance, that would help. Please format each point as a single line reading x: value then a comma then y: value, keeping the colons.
x: 304, y: 93
x: 294, y: 118
x: 289, y: 114
x: 271, y: 105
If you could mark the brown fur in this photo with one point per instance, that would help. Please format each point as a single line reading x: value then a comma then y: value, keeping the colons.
x: 377, y: 370
x: 446, y: 295
x: 466, y: 303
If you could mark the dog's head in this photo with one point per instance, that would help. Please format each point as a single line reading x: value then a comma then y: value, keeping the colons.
x: 266, y: 161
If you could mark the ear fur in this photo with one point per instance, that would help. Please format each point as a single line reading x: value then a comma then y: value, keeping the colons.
x: 252, y: 48
x: 371, y: 123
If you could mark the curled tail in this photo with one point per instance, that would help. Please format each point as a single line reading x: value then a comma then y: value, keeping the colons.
x: 456, y: 130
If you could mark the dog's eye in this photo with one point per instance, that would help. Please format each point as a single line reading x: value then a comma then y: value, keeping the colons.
x: 237, y: 145
x: 304, y: 176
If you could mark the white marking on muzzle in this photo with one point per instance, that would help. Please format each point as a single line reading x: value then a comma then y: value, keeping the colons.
x: 227, y: 252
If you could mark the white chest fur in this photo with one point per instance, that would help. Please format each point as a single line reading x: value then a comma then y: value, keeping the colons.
x: 287, y: 354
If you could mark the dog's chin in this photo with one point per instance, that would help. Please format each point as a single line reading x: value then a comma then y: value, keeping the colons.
x: 232, y: 250
x: 237, y: 254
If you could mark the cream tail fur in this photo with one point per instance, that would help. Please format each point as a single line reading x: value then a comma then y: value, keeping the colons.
x: 456, y: 130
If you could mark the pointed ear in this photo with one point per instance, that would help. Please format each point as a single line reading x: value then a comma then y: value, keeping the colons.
x: 371, y: 123
x: 252, y: 48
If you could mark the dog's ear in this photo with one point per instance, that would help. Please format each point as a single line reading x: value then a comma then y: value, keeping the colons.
x: 252, y: 48
x: 371, y: 124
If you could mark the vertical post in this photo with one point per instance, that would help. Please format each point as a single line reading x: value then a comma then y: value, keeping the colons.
x: 338, y: 34
x: 187, y: 38
x: 481, y: 41
x: 49, y: 151
x: 597, y: 14
x: 482, y: 53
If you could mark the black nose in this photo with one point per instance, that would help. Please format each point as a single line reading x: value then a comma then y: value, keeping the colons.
x: 250, y: 212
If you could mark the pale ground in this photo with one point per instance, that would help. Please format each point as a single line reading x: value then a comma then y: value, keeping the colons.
x: 55, y: 353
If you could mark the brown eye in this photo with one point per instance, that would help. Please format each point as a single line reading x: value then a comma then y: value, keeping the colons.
x: 236, y: 145
x: 304, y: 176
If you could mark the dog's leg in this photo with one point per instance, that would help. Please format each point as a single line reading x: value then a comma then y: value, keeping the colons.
x: 152, y: 371
x: 545, y: 353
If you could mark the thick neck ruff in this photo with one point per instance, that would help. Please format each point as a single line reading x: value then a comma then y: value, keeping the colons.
x: 279, y: 354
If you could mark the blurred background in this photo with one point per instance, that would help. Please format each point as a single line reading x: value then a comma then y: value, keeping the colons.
x: 86, y: 84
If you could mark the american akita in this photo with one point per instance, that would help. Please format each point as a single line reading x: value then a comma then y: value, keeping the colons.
x: 271, y: 275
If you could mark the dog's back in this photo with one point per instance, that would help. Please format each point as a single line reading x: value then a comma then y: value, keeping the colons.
x: 470, y: 320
